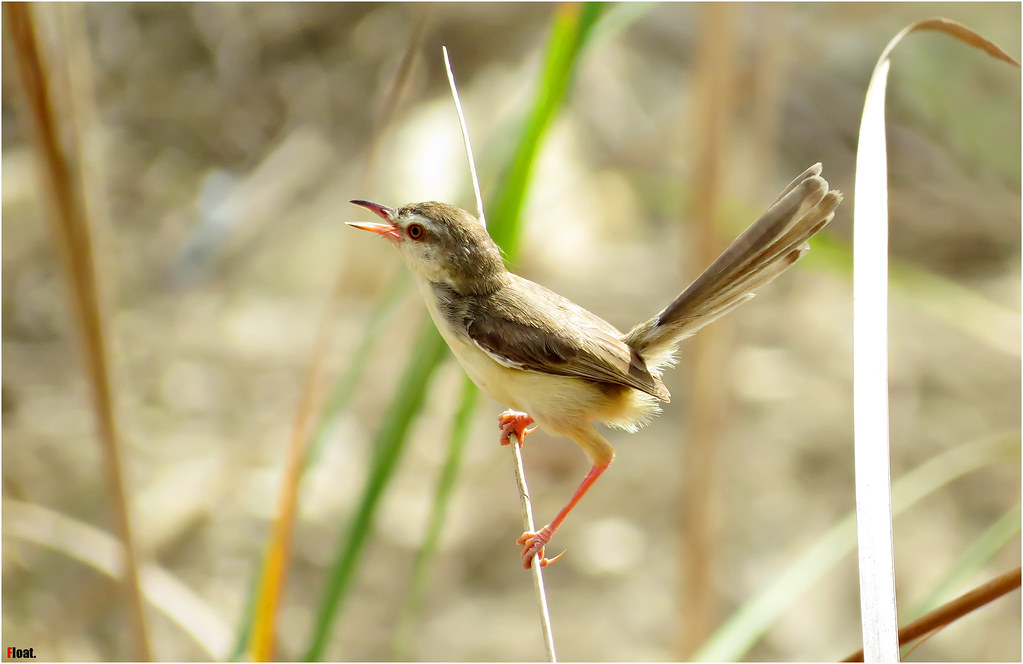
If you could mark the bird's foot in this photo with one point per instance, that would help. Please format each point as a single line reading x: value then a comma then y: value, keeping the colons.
x: 514, y: 422
x: 533, y: 543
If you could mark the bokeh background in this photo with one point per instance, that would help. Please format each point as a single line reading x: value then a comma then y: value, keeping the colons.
x: 221, y: 144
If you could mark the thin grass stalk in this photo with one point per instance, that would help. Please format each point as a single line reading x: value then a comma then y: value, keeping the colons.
x: 467, y: 144
x: 706, y: 416
x: 74, y: 244
x: 389, y: 443
x: 535, y: 567
x: 459, y: 435
x: 954, y: 610
x: 571, y: 30
x: 520, y: 474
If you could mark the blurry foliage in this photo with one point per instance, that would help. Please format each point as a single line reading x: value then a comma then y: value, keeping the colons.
x: 234, y: 134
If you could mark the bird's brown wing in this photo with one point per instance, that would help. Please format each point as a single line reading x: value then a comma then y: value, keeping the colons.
x: 526, y: 326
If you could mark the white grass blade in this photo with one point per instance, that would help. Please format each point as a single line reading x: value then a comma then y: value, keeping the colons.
x: 870, y: 361
x: 870, y: 381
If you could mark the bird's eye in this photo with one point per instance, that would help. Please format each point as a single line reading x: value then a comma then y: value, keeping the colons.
x: 416, y: 231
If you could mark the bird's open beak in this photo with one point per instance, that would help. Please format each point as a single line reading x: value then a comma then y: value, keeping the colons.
x: 388, y: 230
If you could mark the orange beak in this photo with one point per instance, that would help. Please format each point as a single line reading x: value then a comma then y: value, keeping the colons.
x: 388, y: 230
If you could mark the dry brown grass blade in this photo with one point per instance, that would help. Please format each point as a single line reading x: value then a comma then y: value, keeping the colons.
x: 273, y: 576
x: 278, y: 553
x: 715, y: 95
x: 74, y: 244
x: 963, y: 34
x: 77, y: 70
x: 954, y: 610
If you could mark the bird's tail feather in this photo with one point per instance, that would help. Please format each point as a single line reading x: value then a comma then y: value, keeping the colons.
x: 766, y: 249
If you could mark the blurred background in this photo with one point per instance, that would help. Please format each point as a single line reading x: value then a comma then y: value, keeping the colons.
x: 220, y: 145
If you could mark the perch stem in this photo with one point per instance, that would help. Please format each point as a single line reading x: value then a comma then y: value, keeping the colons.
x: 527, y: 522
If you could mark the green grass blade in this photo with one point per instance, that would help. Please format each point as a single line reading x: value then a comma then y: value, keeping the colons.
x: 248, y: 616
x: 738, y: 634
x: 389, y: 444
x: 572, y: 27
x: 344, y: 388
x: 438, y: 515
x: 979, y: 552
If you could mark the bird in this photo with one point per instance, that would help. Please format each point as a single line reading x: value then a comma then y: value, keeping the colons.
x: 556, y: 365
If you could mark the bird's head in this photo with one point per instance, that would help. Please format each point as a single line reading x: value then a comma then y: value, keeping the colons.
x: 440, y: 243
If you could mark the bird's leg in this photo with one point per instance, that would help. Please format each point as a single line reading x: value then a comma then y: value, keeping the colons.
x: 533, y: 543
x: 514, y: 422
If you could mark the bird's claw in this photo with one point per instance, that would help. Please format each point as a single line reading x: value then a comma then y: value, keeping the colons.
x: 533, y: 544
x: 515, y: 423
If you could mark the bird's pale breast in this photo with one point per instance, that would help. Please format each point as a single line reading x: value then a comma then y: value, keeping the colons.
x: 560, y: 403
